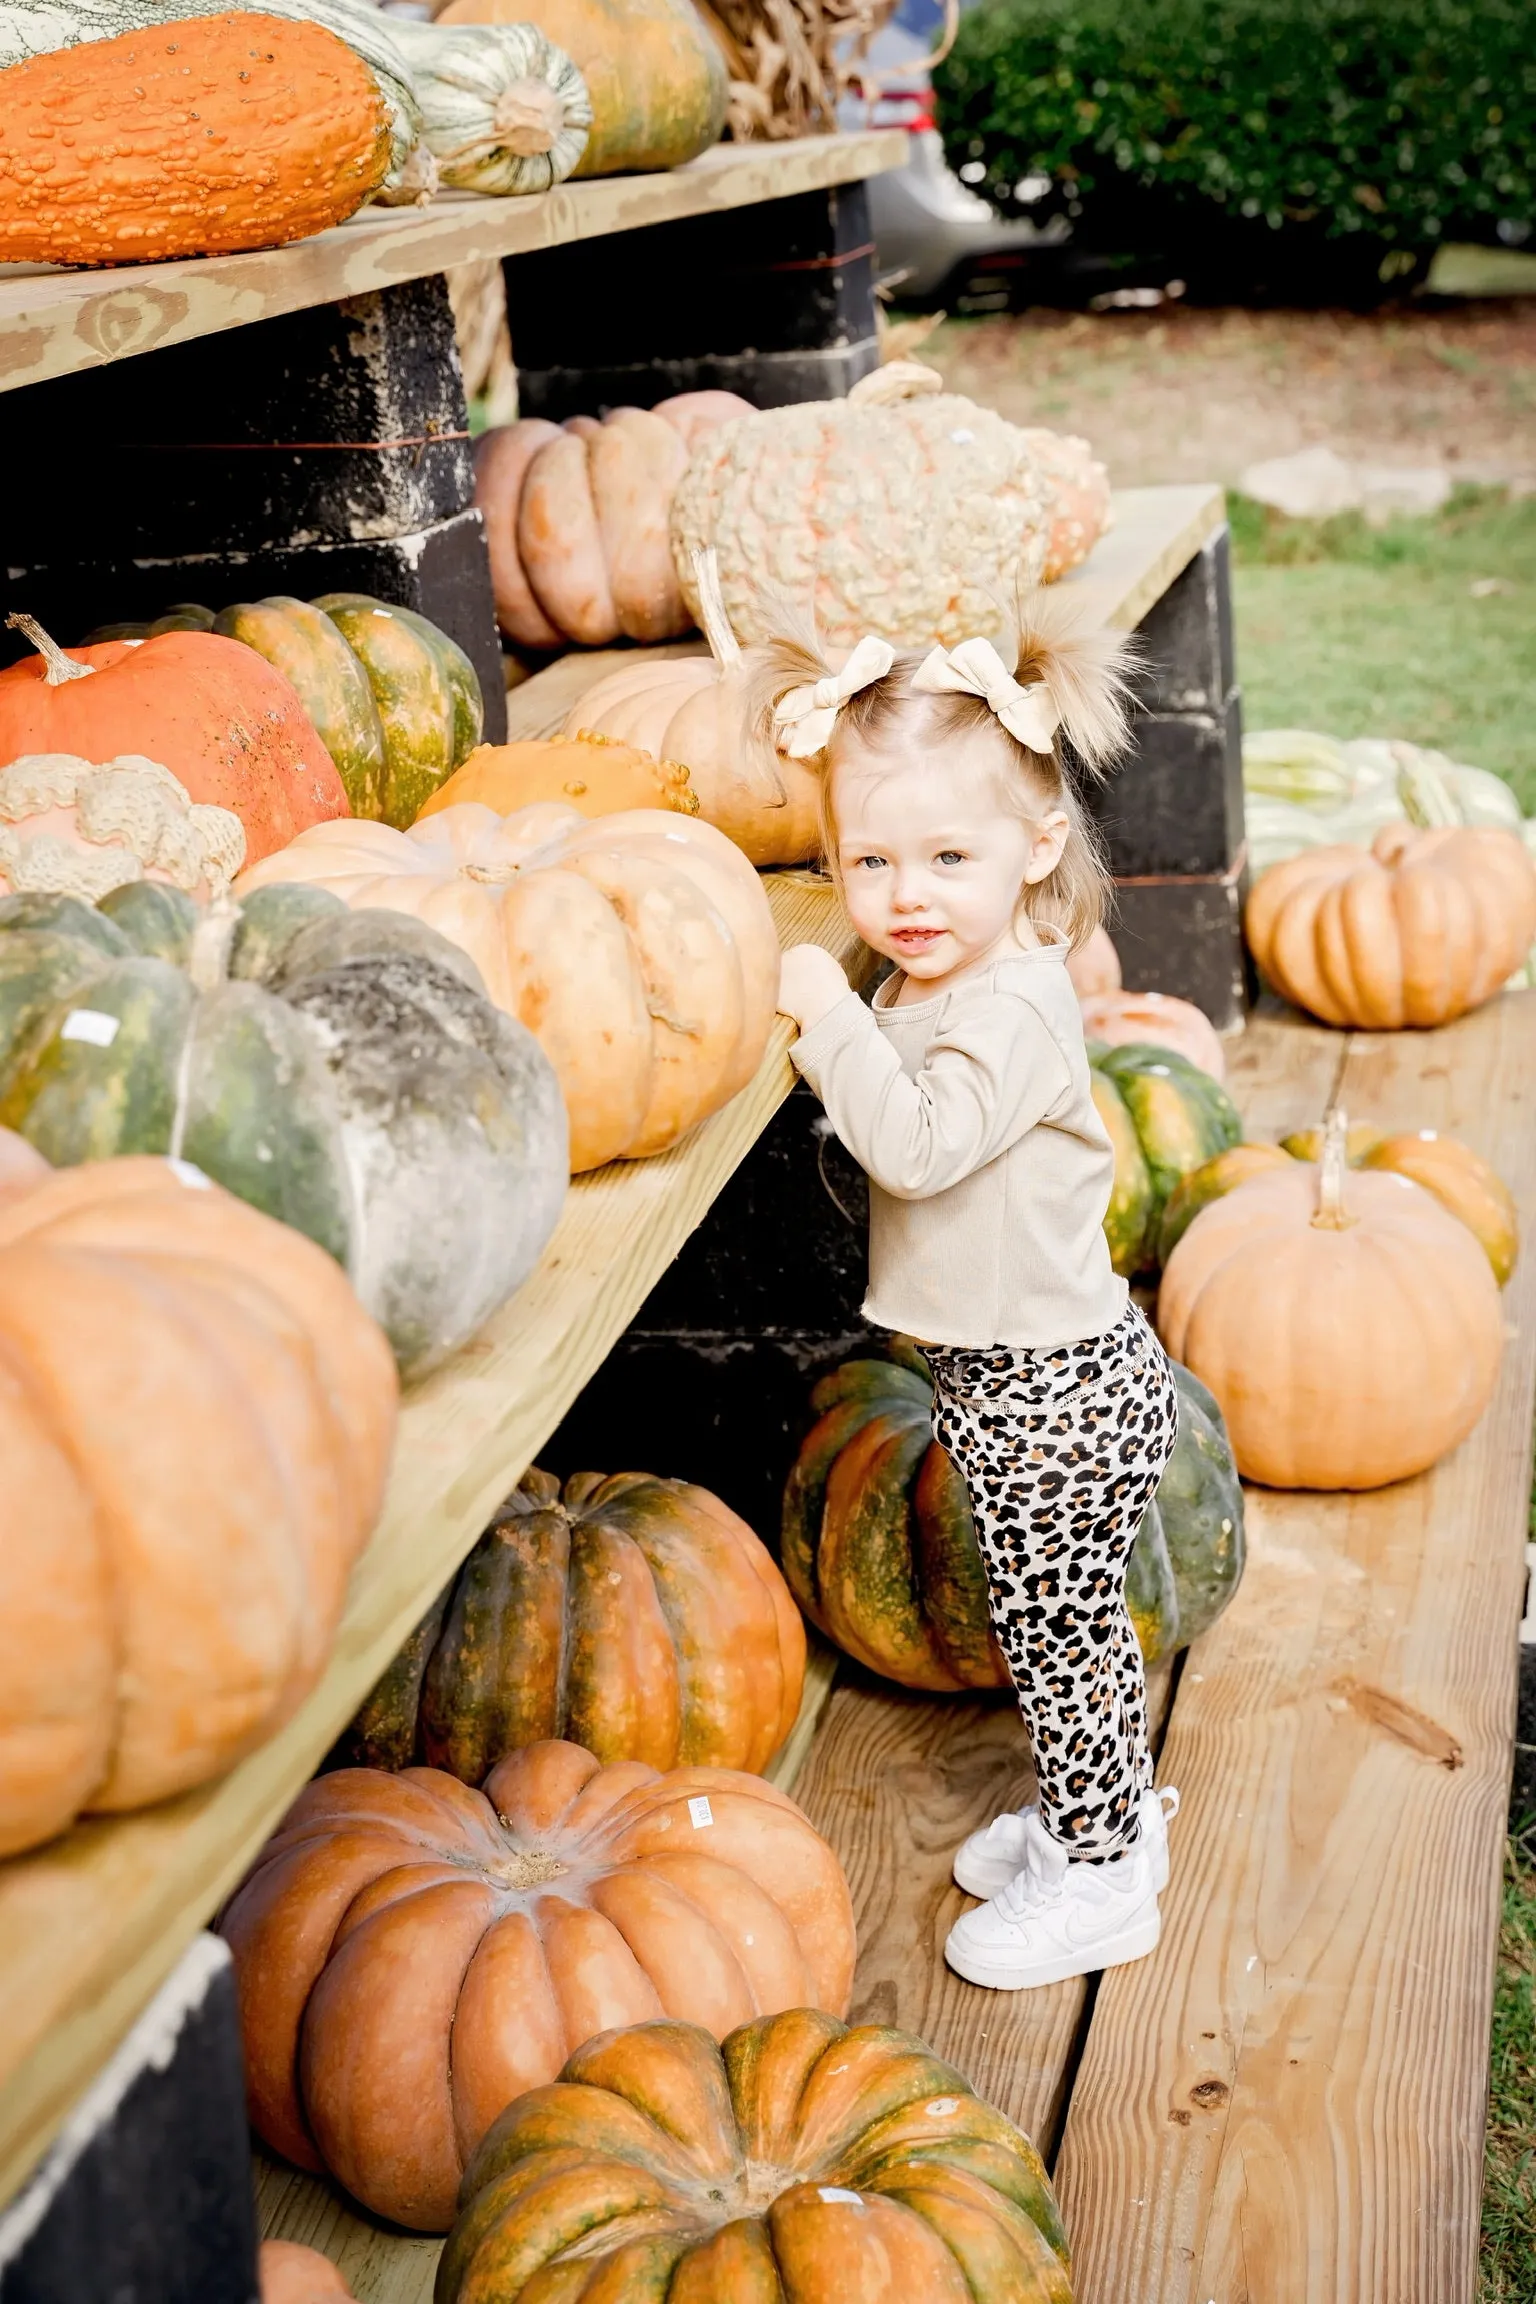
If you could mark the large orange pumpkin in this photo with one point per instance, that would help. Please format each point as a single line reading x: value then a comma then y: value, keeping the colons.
x: 638, y: 949
x: 195, y: 1423
x: 1347, y: 1323
x: 191, y: 138
x: 412, y: 1955
x: 217, y: 715
x: 1418, y: 930
x: 697, y: 710
x: 800, y: 2163
x: 637, y: 1616
x: 576, y: 517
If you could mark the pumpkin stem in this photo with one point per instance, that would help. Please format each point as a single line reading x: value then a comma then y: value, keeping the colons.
x: 1332, y: 1215
x: 761, y: 767
x: 60, y: 666
x: 529, y: 118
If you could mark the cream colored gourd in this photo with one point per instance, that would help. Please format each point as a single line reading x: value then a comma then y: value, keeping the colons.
x: 1423, y: 927
x: 903, y: 510
x: 70, y: 828
x: 1081, y: 510
x: 693, y: 709
x: 637, y: 948
x: 1347, y: 1323
x: 503, y: 109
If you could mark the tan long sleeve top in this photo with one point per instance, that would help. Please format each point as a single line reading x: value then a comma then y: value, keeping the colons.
x: 989, y: 1167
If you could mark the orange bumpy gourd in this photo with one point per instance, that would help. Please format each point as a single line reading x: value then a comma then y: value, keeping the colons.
x: 200, y: 137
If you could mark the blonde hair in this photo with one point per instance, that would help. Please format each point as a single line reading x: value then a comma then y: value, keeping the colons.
x: 1056, y: 641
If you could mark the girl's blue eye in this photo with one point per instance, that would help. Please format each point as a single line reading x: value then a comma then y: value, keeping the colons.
x: 874, y: 863
x: 951, y: 856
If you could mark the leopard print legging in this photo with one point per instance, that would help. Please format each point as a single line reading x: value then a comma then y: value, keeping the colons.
x: 1061, y: 1452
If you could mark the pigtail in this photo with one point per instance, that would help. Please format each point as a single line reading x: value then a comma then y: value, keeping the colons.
x: 1084, y: 668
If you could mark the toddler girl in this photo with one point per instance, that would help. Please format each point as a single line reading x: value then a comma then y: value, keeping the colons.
x: 963, y: 856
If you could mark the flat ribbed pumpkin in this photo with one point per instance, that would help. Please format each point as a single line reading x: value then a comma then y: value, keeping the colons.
x: 638, y: 949
x: 224, y: 723
x: 637, y: 1616
x: 903, y: 510
x: 1348, y: 1324
x: 195, y: 1422
x: 658, y: 86
x: 576, y: 520
x: 412, y: 1955
x: 697, y: 710
x: 1418, y: 930
x: 1165, y: 1118
x: 879, y: 1546
x: 206, y: 135
x: 595, y: 775
x: 799, y: 2161
x: 342, y: 1071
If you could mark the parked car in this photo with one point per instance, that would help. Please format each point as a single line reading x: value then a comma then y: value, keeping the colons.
x: 939, y: 243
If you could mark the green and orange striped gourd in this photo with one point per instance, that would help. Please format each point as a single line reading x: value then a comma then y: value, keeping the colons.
x: 1165, y: 1118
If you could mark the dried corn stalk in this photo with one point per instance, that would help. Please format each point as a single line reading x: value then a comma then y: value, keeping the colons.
x: 790, y: 60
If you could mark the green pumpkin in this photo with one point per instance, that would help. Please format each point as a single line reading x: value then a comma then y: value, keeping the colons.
x: 306, y: 647
x: 879, y: 1546
x: 1165, y: 1118
x: 427, y: 695
x: 342, y: 1071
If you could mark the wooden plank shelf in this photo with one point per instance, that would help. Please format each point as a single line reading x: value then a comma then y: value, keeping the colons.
x: 53, y: 321
x: 1284, y: 2104
x: 92, y: 1924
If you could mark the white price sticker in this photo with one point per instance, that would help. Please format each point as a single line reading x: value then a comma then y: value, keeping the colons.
x: 835, y: 2197
x: 185, y: 1173
x: 90, y: 1024
x: 700, y: 1814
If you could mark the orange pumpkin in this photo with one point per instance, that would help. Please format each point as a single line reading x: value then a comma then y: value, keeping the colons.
x: 412, y: 1955
x: 1347, y: 1323
x: 639, y: 949
x: 695, y: 709
x: 637, y: 1616
x: 592, y: 774
x: 1155, y: 1018
x: 291, y: 2274
x: 1418, y: 930
x: 799, y: 2161
x: 194, y: 138
x: 195, y: 1421
x: 576, y: 518
x: 227, y: 726
x: 1460, y: 1179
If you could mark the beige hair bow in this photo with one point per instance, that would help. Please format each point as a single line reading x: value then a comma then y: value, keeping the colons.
x: 804, y: 718
x: 976, y: 669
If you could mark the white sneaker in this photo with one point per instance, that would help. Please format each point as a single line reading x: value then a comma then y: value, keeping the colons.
x: 1057, y: 1919
x: 988, y: 1860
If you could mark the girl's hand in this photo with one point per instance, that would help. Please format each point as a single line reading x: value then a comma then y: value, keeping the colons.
x: 810, y: 982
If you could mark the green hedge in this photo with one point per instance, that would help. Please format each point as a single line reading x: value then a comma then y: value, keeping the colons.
x: 1391, y: 123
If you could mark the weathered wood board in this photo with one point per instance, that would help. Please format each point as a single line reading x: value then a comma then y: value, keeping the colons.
x: 53, y: 322
x: 93, y: 1923
x: 1285, y: 2104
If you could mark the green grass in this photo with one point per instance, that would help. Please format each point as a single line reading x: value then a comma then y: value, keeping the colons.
x: 1364, y: 631
x: 1508, y: 2266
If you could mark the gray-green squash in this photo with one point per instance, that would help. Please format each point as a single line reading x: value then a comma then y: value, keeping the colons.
x: 342, y: 1071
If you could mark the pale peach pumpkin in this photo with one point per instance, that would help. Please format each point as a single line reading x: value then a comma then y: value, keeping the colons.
x: 1347, y: 1323
x: 696, y: 710
x: 412, y: 1955
x: 196, y: 1417
x: 289, y: 2273
x: 576, y: 520
x: 1119, y: 1018
x: 1418, y: 930
x: 637, y: 948
x: 1095, y: 965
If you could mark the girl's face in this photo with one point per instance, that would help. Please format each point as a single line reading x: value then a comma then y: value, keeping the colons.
x: 932, y: 863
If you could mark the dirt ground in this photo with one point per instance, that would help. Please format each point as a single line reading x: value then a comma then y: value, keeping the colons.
x: 1177, y: 394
